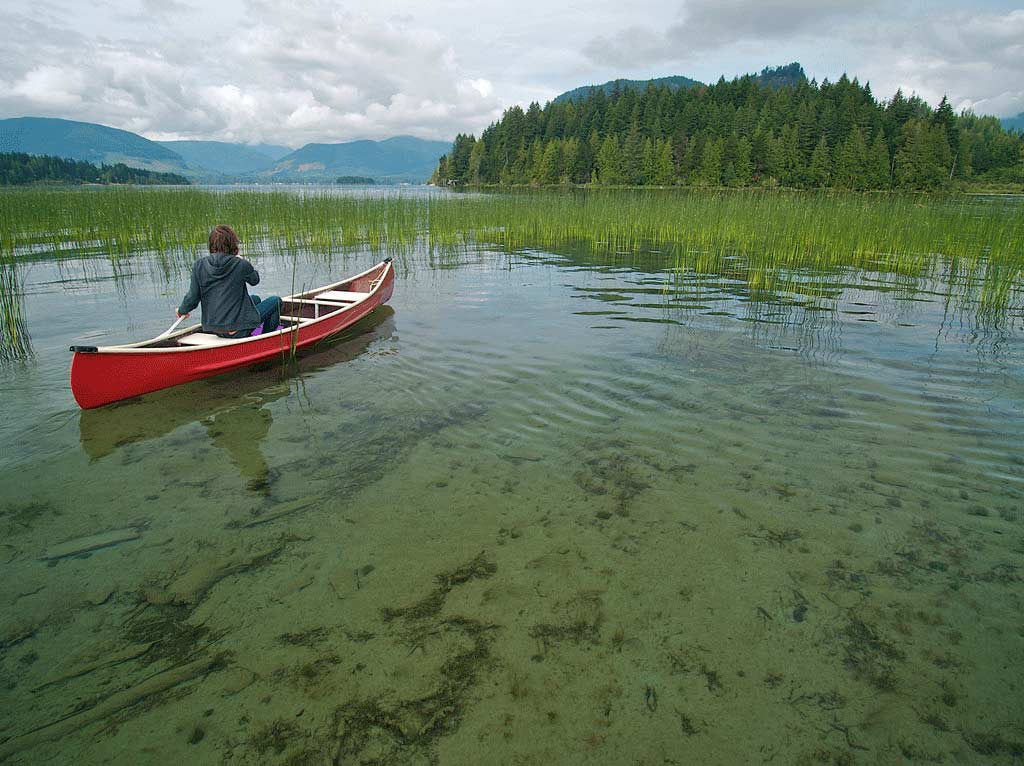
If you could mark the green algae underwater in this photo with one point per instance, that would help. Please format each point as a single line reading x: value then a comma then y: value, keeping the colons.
x: 658, y: 486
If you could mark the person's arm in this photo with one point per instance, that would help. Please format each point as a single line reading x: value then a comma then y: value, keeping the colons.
x: 191, y: 299
x: 249, y: 272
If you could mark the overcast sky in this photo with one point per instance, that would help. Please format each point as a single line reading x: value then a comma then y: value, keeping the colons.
x: 290, y: 73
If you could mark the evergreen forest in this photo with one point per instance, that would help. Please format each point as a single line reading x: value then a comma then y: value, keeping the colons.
x: 17, y: 169
x: 738, y: 133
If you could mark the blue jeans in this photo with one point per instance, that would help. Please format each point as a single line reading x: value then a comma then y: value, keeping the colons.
x: 270, y: 311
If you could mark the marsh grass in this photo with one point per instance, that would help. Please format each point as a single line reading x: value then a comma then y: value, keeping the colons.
x: 14, y: 338
x: 798, y: 244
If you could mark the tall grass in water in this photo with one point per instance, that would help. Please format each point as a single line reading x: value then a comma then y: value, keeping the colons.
x: 14, y: 339
x: 773, y: 241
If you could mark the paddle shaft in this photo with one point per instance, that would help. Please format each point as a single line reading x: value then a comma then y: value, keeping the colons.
x: 171, y: 329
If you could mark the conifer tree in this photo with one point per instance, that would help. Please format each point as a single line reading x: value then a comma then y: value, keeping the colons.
x: 633, y: 158
x: 458, y: 161
x: 879, y: 171
x: 649, y: 162
x: 518, y: 172
x: 849, y: 170
x: 570, y: 150
x: 784, y: 158
x: 921, y: 163
x: 550, y: 166
x: 690, y: 161
x: 476, y: 158
x: 744, y: 167
x: 711, y: 164
x: 945, y: 117
x: 664, y: 167
x: 705, y: 127
x: 609, y: 161
x: 440, y: 177
x: 759, y: 143
x: 819, y: 173
x: 942, y: 155
x: 583, y: 164
x: 965, y: 162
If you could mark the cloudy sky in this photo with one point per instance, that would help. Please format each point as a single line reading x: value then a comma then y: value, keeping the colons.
x: 289, y: 73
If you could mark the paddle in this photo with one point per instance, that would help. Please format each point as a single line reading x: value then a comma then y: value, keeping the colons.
x: 171, y: 329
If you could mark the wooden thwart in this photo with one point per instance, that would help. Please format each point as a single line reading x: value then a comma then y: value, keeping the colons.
x: 340, y: 295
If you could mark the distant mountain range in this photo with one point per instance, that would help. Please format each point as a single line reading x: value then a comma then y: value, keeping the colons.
x: 86, y: 141
x: 227, y: 158
x: 1014, y: 123
x: 402, y: 158
x: 393, y: 160
x: 579, y: 94
x: 774, y: 77
x: 399, y: 159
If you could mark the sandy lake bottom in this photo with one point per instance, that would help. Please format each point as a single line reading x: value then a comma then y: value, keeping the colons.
x: 538, y: 511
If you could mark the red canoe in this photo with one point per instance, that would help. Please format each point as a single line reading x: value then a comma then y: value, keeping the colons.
x: 110, y: 373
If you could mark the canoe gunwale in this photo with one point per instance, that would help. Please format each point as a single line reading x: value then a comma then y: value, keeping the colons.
x: 104, y: 375
x: 143, y: 347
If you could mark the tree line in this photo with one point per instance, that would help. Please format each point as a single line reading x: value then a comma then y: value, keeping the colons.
x: 740, y: 133
x: 18, y: 169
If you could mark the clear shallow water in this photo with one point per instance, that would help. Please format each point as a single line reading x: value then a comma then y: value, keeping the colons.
x: 544, y: 509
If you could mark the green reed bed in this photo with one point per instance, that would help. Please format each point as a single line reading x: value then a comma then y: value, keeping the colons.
x: 14, y: 338
x: 120, y: 222
x: 772, y: 241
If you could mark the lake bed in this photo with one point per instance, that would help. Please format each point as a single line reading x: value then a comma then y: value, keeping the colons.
x: 553, y: 504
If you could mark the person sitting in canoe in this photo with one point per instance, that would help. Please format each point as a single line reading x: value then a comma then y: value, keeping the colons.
x: 219, y: 282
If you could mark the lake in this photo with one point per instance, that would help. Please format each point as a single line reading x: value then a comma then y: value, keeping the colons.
x: 550, y: 505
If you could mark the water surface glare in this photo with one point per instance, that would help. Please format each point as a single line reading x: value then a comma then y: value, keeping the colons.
x: 542, y: 509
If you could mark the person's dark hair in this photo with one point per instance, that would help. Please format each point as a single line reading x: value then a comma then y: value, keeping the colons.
x: 223, y: 240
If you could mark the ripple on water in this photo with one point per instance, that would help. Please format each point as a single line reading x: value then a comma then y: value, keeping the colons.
x: 493, y: 528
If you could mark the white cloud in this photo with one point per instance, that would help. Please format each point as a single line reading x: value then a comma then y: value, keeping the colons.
x: 320, y: 70
x: 975, y: 55
x: 976, y: 58
x: 282, y: 74
x: 52, y: 86
x: 702, y: 25
x: 482, y: 86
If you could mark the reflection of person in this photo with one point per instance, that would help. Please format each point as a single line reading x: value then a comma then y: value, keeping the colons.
x: 239, y: 431
x: 219, y: 283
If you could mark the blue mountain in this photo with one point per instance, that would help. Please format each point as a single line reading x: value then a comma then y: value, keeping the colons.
x: 273, y: 151
x: 1014, y: 123
x: 402, y: 158
x: 86, y: 141
x: 223, y: 157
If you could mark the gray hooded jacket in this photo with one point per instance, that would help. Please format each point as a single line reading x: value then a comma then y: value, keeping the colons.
x: 218, y: 282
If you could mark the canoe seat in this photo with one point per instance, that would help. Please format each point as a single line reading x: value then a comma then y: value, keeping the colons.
x: 204, y: 339
x: 340, y: 295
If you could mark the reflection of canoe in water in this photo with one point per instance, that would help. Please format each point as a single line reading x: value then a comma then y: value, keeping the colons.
x: 232, y: 406
x: 111, y: 373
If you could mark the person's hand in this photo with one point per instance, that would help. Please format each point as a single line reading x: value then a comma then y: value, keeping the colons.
x: 181, y: 316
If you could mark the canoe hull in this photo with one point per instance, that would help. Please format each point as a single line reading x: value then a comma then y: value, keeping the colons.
x: 106, y: 376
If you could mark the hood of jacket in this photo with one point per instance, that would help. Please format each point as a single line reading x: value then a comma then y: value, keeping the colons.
x: 219, y: 264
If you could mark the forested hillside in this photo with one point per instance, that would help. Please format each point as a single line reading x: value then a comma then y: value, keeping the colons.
x: 87, y: 141
x: 17, y: 169
x: 773, y: 77
x: 740, y: 133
